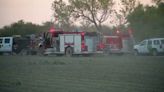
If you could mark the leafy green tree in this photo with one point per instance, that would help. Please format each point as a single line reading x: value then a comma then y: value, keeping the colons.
x: 128, y: 8
x: 147, y: 22
x: 157, y: 1
x: 46, y: 26
x: 62, y: 14
x: 94, y: 11
x: 20, y: 28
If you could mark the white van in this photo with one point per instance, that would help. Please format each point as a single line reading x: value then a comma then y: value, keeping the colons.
x: 152, y: 46
x: 6, y: 44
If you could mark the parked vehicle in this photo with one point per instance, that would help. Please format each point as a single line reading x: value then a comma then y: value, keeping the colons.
x: 153, y: 46
x: 112, y: 44
x: 6, y: 44
x: 21, y: 45
x: 69, y: 43
x: 16, y: 45
x: 117, y: 44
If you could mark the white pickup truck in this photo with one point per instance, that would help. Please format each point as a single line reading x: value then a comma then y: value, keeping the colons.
x: 152, y: 46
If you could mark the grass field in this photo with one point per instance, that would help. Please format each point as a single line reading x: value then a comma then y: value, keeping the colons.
x: 81, y: 74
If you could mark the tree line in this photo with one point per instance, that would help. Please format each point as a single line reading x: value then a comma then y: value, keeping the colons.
x: 148, y: 21
x: 145, y: 21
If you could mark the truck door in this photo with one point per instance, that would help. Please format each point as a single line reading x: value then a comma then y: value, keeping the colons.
x: 6, y: 44
x: 89, y: 43
x: 143, y: 47
x: 77, y: 43
x: 162, y: 44
x: 1, y: 44
x: 149, y: 45
x: 62, y: 43
x: 157, y: 45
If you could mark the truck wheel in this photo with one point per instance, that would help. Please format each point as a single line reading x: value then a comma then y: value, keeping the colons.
x: 68, y: 51
x: 136, y: 52
x: 154, y: 52
x: 106, y: 51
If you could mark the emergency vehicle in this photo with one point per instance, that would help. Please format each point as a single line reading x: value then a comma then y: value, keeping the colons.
x: 112, y: 44
x: 69, y: 43
x: 117, y: 43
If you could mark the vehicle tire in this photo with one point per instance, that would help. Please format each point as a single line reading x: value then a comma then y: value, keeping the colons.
x: 40, y: 51
x: 45, y: 54
x: 106, y: 50
x: 69, y: 52
x: 154, y: 52
x: 59, y: 55
x: 136, y: 53
x: 1, y: 53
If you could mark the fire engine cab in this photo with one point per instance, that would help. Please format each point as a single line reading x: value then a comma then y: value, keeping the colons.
x: 70, y: 43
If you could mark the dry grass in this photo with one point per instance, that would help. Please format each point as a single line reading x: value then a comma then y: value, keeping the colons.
x: 81, y: 74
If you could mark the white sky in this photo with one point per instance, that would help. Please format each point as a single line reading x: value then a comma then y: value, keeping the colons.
x: 35, y: 11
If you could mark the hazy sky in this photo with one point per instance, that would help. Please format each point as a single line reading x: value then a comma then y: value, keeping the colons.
x: 35, y: 11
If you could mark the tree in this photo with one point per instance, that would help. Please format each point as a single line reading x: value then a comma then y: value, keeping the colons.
x: 157, y: 1
x: 20, y: 28
x: 148, y: 21
x: 126, y: 8
x: 46, y: 26
x: 94, y: 11
x: 62, y: 13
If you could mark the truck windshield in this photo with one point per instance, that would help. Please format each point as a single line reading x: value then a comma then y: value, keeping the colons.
x: 143, y: 43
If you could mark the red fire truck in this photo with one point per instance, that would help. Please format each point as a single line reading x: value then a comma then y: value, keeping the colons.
x: 59, y: 42
x: 118, y: 43
x: 112, y: 44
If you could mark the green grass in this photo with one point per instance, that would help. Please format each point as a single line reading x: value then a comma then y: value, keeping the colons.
x: 81, y: 74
